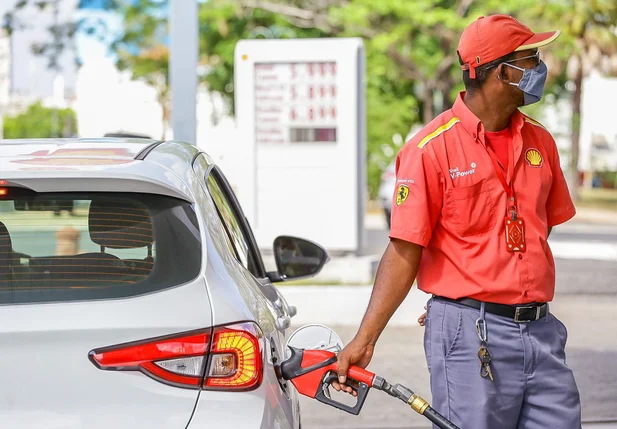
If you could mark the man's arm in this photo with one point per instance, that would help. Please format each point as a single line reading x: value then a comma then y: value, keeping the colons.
x: 416, y: 207
x: 395, y: 276
x: 559, y: 205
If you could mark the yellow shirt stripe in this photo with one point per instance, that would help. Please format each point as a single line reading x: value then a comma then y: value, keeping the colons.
x: 534, y: 122
x: 438, y: 131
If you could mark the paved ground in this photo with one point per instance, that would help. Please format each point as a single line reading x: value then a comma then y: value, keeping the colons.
x: 586, y: 302
x: 591, y: 353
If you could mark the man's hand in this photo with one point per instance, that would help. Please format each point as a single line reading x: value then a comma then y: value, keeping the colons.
x: 422, y: 318
x: 359, y: 353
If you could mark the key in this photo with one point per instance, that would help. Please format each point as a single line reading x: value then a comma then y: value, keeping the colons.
x: 485, y: 362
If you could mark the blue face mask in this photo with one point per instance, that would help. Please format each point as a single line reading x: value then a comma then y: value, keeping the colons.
x: 532, y: 82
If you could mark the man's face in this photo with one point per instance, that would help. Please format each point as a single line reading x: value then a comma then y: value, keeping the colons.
x: 524, y: 59
x: 527, y: 59
x: 505, y: 75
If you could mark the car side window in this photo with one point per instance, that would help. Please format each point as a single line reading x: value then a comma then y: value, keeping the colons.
x: 232, y: 224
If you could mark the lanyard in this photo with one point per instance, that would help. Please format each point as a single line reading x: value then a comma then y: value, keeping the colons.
x: 508, y: 187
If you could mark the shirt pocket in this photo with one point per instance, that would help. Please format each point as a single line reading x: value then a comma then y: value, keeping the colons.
x: 471, y: 209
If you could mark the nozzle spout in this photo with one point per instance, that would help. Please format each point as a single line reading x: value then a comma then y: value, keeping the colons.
x: 398, y: 391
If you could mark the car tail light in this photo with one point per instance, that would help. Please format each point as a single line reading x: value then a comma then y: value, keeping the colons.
x: 232, y: 355
x: 3, y: 191
x: 235, y: 358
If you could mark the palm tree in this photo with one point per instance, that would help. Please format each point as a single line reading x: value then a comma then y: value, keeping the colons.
x: 588, y: 42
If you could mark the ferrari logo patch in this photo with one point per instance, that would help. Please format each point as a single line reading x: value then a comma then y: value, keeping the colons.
x: 534, y: 158
x: 401, y: 194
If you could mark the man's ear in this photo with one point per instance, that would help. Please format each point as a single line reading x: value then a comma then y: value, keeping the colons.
x: 504, y: 73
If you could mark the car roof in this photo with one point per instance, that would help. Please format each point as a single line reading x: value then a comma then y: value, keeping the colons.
x: 120, y: 148
x: 137, y: 165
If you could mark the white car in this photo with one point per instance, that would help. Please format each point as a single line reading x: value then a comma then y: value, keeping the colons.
x: 147, y: 306
x: 386, y: 190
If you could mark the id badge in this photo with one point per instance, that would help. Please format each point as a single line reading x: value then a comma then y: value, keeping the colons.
x: 515, y: 234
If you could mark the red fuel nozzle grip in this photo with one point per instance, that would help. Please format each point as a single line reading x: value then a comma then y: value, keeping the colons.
x: 313, y: 371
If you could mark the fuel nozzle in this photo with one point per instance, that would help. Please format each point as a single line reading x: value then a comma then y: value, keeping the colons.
x: 418, y: 404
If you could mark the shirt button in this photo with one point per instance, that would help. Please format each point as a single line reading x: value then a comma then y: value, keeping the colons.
x: 520, y: 256
x: 525, y: 293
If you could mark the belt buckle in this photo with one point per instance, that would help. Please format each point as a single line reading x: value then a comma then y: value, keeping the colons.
x: 517, y: 314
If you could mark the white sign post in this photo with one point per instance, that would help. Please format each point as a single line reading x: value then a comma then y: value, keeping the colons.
x: 300, y: 111
x: 184, y: 51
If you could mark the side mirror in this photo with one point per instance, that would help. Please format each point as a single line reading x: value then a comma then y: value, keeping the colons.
x: 297, y: 258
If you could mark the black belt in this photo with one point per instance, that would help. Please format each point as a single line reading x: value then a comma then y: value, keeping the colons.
x: 520, y: 314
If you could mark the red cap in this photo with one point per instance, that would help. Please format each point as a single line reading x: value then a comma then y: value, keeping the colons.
x: 492, y: 37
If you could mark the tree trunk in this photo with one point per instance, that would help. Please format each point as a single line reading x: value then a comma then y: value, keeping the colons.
x: 446, y: 85
x: 446, y: 92
x: 576, y: 128
x: 427, y: 101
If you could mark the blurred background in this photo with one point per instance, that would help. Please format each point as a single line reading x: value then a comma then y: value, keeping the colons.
x: 94, y: 68
x: 64, y: 62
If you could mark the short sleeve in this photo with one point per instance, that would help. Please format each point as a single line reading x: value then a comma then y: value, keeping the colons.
x: 559, y: 205
x: 418, y: 197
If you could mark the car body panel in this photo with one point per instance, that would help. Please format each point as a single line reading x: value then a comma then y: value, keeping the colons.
x: 241, y: 302
x: 49, y: 382
x: 160, y: 174
x: 259, y: 409
x: 49, y: 343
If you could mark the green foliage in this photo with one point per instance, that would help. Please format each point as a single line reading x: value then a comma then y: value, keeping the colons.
x: 41, y: 122
x: 391, y: 105
x: 222, y: 23
x: 142, y: 51
x: 390, y: 109
x: 412, y: 67
x: 588, y: 40
x: 61, y: 33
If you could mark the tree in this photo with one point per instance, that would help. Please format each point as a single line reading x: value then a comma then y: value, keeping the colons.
x: 152, y: 67
x: 412, y: 68
x: 588, y: 42
x: 61, y: 33
x: 391, y: 104
x: 41, y: 122
x: 142, y: 51
x: 419, y: 38
x: 223, y: 23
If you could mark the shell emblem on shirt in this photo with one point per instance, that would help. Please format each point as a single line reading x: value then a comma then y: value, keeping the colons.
x: 534, y: 157
x: 401, y: 194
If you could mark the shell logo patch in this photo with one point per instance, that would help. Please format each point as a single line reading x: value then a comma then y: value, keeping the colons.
x: 534, y: 157
x: 401, y: 194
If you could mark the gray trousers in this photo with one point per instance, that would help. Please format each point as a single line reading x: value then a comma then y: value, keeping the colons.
x: 533, y: 387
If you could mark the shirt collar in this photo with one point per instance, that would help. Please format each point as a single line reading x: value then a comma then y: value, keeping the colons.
x: 474, y: 126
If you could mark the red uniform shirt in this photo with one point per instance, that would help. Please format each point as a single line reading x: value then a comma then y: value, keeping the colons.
x: 450, y: 200
x: 498, y: 141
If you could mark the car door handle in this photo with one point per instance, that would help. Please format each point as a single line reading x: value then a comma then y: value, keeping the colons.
x: 283, y: 323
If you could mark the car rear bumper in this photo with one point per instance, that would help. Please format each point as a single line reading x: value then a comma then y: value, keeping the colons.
x: 264, y: 408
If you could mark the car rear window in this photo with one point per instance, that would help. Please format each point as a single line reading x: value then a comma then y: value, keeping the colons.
x: 68, y: 247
